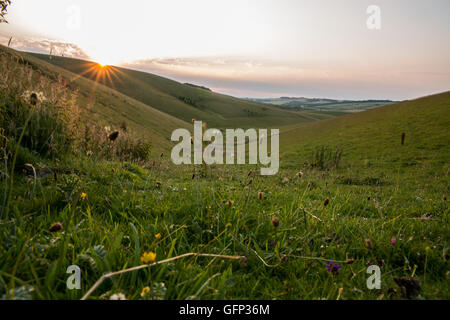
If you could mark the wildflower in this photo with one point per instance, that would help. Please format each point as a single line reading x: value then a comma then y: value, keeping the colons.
x: 229, y: 203
x: 326, y: 202
x: 275, y: 222
x: 285, y: 180
x: 144, y: 291
x: 260, y: 195
x: 369, y: 244
x: 158, y: 236
x: 56, y: 227
x: 158, y: 184
x: 333, y: 267
x: 393, y: 241
x: 118, y: 296
x: 148, y: 257
x: 299, y: 174
x: 83, y: 196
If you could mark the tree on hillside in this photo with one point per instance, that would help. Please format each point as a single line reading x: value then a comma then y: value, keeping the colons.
x: 3, y: 9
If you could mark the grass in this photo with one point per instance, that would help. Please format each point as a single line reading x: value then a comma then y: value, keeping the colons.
x: 112, y: 211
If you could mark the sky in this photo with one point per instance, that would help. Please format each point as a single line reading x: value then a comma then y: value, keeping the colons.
x: 253, y: 48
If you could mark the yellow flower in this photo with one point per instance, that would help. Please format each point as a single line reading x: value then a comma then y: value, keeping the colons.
x: 144, y: 291
x: 148, y: 257
x: 83, y: 196
x: 158, y: 236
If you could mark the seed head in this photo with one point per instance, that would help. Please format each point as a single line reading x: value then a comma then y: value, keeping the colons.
x: 275, y: 222
x: 56, y: 227
x: 113, y: 136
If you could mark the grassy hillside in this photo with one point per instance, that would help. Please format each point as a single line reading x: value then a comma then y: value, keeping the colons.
x: 183, y: 101
x: 102, y: 105
x: 348, y: 195
x: 377, y: 133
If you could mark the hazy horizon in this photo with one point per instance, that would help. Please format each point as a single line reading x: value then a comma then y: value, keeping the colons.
x: 254, y: 49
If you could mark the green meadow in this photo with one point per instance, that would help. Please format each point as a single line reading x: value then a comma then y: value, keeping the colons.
x: 87, y: 180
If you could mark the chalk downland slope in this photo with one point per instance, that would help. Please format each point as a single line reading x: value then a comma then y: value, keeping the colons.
x: 183, y: 101
x: 375, y: 135
x: 104, y: 106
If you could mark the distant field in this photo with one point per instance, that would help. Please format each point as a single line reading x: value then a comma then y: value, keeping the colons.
x: 345, y: 106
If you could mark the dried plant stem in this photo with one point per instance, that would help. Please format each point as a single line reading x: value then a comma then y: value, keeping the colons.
x: 112, y: 274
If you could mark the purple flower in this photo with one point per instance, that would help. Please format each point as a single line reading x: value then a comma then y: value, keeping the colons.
x: 333, y: 267
x: 393, y: 241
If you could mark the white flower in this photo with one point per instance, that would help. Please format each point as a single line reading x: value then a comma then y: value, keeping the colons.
x: 118, y: 296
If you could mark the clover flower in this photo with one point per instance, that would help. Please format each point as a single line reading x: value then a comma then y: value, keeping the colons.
x: 118, y: 296
x: 333, y: 267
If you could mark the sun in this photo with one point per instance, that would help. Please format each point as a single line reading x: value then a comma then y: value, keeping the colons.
x: 103, y: 65
x: 102, y: 73
x: 105, y: 60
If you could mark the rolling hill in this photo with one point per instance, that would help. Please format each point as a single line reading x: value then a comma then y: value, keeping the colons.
x: 309, y: 232
x: 102, y: 105
x: 183, y: 101
x: 374, y: 136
